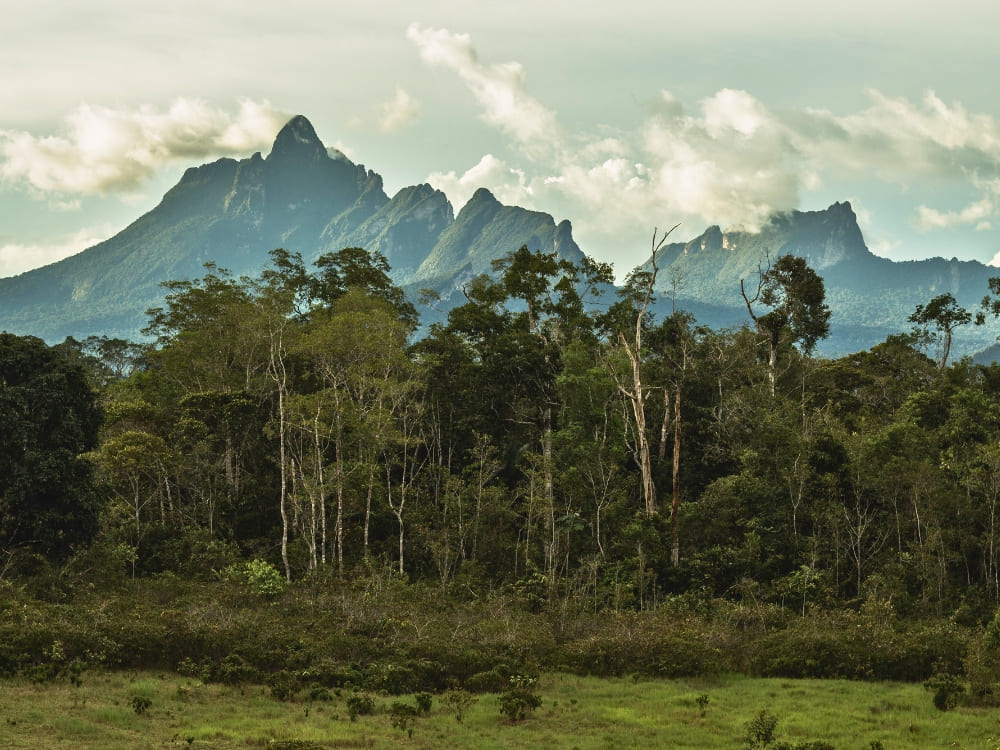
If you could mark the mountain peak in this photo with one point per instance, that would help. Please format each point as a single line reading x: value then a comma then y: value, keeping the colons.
x: 298, y: 138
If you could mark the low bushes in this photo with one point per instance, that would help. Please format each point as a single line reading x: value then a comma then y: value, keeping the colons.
x: 846, y: 645
x: 394, y: 642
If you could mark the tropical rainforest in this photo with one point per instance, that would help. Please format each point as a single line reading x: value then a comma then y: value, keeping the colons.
x: 290, y: 480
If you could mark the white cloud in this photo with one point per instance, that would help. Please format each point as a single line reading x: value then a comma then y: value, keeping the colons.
x: 106, y: 150
x: 17, y: 258
x: 499, y: 89
x: 399, y: 112
x: 731, y: 160
x: 901, y: 141
x: 507, y: 185
x: 974, y: 214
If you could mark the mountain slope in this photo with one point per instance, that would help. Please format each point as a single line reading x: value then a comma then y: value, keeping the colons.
x: 302, y: 197
x: 870, y: 297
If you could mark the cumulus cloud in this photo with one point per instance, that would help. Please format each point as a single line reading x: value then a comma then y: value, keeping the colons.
x: 729, y: 160
x: 976, y: 214
x: 16, y: 258
x: 901, y: 140
x: 499, y: 89
x: 507, y: 185
x: 105, y: 150
x: 399, y: 112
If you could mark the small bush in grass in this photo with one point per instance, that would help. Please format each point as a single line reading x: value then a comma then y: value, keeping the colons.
x: 235, y: 670
x: 283, y: 685
x: 424, y: 701
x: 487, y: 682
x: 517, y: 703
x: 460, y: 702
x: 402, y: 715
x: 393, y: 679
x: 702, y: 701
x: 140, y: 704
x: 319, y: 693
x: 359, y: 704
x: 947, y: 688
x: 759, y: 731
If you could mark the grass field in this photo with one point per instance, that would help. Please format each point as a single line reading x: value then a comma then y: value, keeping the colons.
x: 577, y: 712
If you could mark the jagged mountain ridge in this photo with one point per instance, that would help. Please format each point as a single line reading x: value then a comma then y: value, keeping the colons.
x: 310, y: 199
x: 870, y: 296
x: 301, y: 197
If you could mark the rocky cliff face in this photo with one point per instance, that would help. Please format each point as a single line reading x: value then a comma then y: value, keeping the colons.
x: 870, y: 297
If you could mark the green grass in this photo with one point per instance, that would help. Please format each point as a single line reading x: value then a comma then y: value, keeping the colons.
x: 577, y: 712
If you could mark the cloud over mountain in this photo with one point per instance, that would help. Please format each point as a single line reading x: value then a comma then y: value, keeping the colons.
x: 106, y: 150
x: 730, y: 160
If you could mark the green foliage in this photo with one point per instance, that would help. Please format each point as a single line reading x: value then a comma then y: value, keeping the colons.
x: 49, y: 418
x: 140, y: 704
x: 284, y: 685
x: 518, y: 703
x: 759, y: 731
x: 359, y: 704
x: 702, y: 701
x: 259, y: 575
x: 946, y: 688
x: 424, y: 702
x: 319, y: 693
x: 402, y: 716
x: 459, y: 701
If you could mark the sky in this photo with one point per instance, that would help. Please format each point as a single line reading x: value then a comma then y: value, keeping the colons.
x: 622, y: 117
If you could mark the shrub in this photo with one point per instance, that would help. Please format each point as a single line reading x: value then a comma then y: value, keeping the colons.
x: 283, y: 685
x: 319, y: 693
x: 258, y: 574
x: 424, y: 701
x: 140, y: 704
x: 359, y: 704
x: 235, y: 670
x: 487, y: 682
x: 517, y: 703
x: 702, y: 701
x: 759, y: 731
x: 401, y: 715
x: 390, y: 678
x: 947, y: 688
x: 460, y: 701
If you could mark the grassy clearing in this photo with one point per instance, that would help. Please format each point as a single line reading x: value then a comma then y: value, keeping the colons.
x: 577, y: 712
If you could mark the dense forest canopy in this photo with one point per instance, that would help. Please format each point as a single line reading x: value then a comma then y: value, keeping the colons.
x: 546, y: 435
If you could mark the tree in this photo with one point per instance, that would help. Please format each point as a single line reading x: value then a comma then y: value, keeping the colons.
x: 675, y: 341
x: 640, y: 287
x: 945, y: 315
x: 795, y: 295
x: 49, y: 418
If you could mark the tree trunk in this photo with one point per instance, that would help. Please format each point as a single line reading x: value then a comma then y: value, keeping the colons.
x: 675, y: 545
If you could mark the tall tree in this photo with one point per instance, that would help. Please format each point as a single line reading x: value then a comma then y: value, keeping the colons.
x: 944, y: 314
x: 639, y: 289
x: 798, y: 312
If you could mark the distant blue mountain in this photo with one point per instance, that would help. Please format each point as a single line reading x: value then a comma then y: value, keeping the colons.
x: 302, y: 197
x: 310, y: 199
